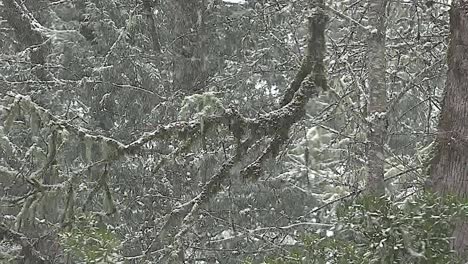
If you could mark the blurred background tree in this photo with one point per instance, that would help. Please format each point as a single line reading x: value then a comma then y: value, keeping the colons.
x: 78, y: 76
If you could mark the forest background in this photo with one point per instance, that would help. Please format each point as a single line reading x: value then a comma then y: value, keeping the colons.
x: 208, y: 131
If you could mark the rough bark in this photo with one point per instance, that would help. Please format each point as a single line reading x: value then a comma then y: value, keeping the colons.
x: 377, y: 99
x: 449, y: 167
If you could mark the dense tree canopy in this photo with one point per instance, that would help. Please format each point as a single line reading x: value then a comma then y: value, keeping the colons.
x: 240, y: 131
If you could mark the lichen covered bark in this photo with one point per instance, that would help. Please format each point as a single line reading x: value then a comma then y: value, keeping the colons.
x: 285, y: 117
x: 449, y: 167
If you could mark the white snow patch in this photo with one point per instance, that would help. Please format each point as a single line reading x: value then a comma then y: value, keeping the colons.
x: 235, y: 1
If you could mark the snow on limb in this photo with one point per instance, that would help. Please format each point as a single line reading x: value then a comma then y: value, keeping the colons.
x: 310, y: 77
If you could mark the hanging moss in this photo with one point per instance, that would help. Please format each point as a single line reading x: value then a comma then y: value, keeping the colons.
x: 108, y: 150
x: 54, y: 173
x: 5, y: 143
x: 69, y: 210
x: 12, y: 115
x: 197, y: 105
x: 88, y: 148
x: 34, y: 207
x: 63, y: 136
x: 109, y: 205
x: 35, y: 122
x: 38, y: 154
x: 25, y: 103
x: 23, y: 216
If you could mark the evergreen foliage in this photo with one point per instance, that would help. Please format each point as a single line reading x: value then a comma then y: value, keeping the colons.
x: 127, y: 129
x: 367, y: 230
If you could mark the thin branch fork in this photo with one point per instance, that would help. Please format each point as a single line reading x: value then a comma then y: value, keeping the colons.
x: 275, y: 124
x: 284, y: 118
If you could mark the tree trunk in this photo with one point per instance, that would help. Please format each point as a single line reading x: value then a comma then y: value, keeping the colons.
x: 190, y: 72
x: 377, y: 100
x: 449, y: 166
